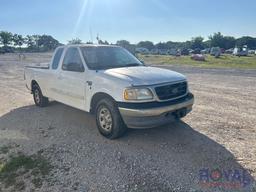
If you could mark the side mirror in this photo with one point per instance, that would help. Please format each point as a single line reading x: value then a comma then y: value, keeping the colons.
x: 75, y: 67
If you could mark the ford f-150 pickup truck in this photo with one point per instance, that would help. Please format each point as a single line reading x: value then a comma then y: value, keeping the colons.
x: 111, y: 83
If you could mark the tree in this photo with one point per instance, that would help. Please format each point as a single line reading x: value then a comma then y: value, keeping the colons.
x: 246, y: 40
x: 207, y: 44
x: 32, y: 42
x: 18, y: 40
x: 102, y: 42
x: 229, y: 42
x: 217, y: 40
x: 36, y: 39
x: 5, y: 38
x: 197, y: 43
x: 126, y: 44
x: 29, y: 40
x: 146, y: 44
x: 161, y: 45
x: 123, y: 43
x: 173, y: 45
x: 47, y: 42
x: 75, y: 41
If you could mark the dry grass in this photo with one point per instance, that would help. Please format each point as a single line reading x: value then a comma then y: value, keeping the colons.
x: 225, y: 61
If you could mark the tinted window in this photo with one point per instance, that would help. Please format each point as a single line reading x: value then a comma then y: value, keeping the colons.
x: 72, y: 61
x: 56, y: 59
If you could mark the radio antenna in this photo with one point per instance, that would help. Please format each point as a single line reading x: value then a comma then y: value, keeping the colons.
x: 91, y: 35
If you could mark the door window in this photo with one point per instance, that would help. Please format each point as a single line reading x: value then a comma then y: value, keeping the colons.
x: 72, y: 61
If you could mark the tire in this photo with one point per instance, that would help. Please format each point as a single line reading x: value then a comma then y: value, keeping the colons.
x: 180, y: 114
x: 107, y: 113
x: 39, y: 99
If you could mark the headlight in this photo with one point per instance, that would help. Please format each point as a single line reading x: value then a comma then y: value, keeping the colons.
x: 138, y: 94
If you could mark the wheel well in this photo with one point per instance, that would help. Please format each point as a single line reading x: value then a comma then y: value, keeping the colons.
x: 96, y: 98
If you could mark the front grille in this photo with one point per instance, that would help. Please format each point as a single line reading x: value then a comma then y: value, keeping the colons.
x: 171, y: 91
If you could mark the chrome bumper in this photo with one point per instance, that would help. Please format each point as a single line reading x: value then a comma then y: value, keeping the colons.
x: 155, y: 111
x: 155, y: 116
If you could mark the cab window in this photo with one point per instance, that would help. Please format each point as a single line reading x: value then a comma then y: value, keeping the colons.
x: 72, y: 61
x: 56, y: 59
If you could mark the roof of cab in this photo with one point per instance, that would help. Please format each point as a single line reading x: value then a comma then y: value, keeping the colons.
x: 88, y: 45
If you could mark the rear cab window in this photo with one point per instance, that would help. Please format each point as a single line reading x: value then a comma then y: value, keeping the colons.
x: 56, y: 59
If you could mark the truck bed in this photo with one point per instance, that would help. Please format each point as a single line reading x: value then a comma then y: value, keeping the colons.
x: 39, y: 66
x: 38, y: 72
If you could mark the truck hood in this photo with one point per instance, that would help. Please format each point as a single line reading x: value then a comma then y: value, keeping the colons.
x: 146, y: 75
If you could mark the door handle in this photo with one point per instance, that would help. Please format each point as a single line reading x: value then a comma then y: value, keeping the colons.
x: 89, y: 83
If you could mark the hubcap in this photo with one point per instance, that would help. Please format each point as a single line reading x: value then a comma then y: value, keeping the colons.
x: 105, y: 119
x: 37, y: 96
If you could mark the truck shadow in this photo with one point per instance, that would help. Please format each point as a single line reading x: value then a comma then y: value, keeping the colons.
x: 176, y: 152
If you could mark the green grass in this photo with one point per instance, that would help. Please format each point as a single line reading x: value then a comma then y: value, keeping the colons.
x: 4, y: 149
x: 19, y: 165
x: 225, y: 61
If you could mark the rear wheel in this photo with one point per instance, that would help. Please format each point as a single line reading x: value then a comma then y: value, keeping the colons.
x: 39, y: 99
x: 109, y: 121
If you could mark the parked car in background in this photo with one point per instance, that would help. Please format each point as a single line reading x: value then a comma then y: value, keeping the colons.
x: 191, y: 51
x: 215, y: 51
x: 154, y: 52
x: 163, y: 51
x: 241, y: 51
x: 196, y: 51
x: 222, y: 50
x: 172, y: 52
x: 205, y: 51
x: 142, y: 50
x: 178, y: 53
x: 229, y: 51
x: 236, y: 51
x: 251, y: 52
x: 184, y: 51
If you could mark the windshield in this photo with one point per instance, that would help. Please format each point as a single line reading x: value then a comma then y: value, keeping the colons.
x: 108, y: 57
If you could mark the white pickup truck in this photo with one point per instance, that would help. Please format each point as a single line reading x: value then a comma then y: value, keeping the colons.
x: 111, y: 83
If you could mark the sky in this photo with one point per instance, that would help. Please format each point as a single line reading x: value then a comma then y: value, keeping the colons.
x: 133, y: 20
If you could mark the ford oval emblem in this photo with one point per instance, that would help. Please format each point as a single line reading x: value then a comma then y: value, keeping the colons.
x: 175, y: 91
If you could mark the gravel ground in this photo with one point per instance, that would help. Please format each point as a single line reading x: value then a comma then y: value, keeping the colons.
x: 220, y: 133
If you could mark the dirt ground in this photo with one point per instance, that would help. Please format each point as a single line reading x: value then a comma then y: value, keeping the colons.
x: 219, y: 134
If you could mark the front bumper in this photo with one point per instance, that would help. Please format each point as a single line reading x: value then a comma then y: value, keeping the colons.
x: 153, y: 114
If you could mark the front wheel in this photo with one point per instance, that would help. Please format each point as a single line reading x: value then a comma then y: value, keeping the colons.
x: 39, y: 99
x: 109, y: 121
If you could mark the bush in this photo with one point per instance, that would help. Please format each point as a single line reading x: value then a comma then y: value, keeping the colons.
x: 6, y: 49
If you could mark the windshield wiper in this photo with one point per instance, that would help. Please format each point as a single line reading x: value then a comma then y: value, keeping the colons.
x: 132, y: 64
x: 115, y: 66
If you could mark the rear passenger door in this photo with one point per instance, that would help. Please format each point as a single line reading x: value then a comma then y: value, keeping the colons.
x: 71, y: 79
x: 53, y: 72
